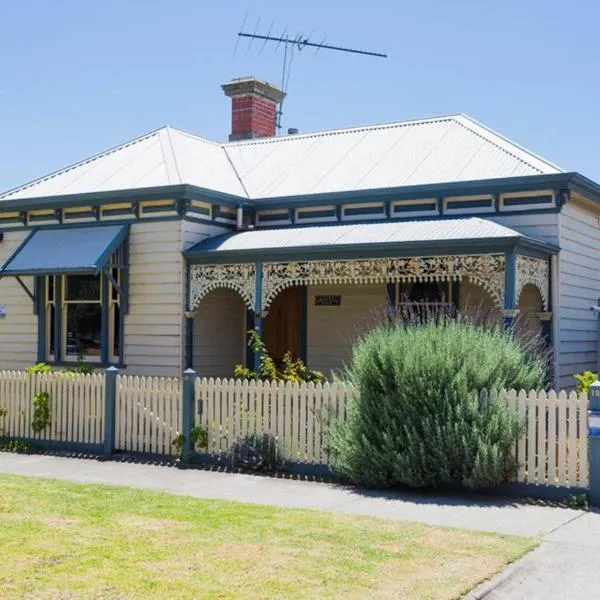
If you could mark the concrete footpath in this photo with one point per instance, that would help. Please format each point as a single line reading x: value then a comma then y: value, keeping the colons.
x: 566, y: 565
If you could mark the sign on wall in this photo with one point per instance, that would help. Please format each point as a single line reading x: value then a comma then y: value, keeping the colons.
x: 328, y: 300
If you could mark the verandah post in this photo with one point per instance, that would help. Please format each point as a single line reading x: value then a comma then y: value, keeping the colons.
x: 110, y: 400
x: 510, y: 277
x: 188, y: 401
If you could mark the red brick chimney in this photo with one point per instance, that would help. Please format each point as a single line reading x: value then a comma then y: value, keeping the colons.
x: 253, y: 107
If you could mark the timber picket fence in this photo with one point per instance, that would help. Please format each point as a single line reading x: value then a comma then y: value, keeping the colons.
x: 145, y: 414
x: 292, y: 413
x: 76, y: 407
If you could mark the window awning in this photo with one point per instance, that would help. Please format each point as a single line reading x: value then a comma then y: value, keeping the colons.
x: 60, y: 250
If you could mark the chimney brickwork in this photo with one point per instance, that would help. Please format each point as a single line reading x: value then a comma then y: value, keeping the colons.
x: 253, y: 108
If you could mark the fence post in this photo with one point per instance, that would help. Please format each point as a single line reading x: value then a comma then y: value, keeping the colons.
x: 594, y: 443
x: 110, y: 397
x: 188, y: 401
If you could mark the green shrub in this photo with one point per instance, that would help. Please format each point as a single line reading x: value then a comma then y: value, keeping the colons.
x: 257, y: 452
x: 418, y: 419
x: 198, y: 438
x: 291, y: 370
x: 584, y: 380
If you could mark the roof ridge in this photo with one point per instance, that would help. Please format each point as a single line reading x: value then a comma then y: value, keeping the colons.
x: 194, y: 135
x: 80, y: 163
x: 169, y: 155
x: 340, y: 131
x: 493, y: 132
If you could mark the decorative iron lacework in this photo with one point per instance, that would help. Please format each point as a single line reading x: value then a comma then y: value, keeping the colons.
x: 487, y: 270
x: 238, y: 277
x: 535, y: 271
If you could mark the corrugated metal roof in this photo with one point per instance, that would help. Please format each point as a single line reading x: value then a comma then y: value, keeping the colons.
x: 65, y: 250
x: 437, y: 150
x: 359, y: 234
x: 163, y: 157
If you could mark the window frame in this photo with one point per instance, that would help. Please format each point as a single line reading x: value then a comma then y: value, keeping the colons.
x: 112, y: 322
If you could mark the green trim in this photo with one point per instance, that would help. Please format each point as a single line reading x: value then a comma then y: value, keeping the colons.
x: 58, y: 309
x: 115, y: 212
x: 377, y: 210
x: 510, y: 277
x: 462, y: 204
x: 104, y: 318
x: 41, y: 314
x: 526, y: 200
x: 303, y: 324
x: 401, y: 209
x: 176, y: 192
x: 111, y: 248
x: 315, y: 214
x: 258, y: 319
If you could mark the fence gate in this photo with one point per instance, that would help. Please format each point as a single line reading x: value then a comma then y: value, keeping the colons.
x: 147, y: 414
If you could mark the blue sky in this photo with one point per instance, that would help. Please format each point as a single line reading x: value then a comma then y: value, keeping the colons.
x: 80, y: 76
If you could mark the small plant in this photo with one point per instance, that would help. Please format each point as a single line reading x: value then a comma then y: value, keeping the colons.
x: 584, y: 380
x: 256, y: 452
x: 17, y: 446
x: 82, y: 367
x: 39, y: 368
x: 42, y: 416
x: 578, y: 501
x: 293, y: 370
x: 198, y: 437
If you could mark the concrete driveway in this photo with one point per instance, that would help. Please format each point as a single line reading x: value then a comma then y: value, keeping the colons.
x: 565, y: 566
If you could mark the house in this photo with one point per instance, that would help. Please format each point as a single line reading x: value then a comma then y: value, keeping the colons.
x: 161, y: 253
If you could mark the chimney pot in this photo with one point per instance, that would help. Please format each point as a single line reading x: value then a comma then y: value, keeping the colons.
x: 253, y: 107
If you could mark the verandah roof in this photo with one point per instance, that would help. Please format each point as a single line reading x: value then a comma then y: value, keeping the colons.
x: 84, y: 250
x: 433, y: 236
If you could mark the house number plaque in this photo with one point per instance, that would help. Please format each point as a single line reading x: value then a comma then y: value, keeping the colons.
x: 328, y: 300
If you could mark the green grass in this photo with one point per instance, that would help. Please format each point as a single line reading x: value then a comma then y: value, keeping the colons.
x: 64, y: 540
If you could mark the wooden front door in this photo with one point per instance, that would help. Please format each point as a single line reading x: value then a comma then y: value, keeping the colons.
x: 282, y: 324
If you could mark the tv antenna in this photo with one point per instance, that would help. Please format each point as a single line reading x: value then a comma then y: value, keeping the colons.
x: 292, y: 44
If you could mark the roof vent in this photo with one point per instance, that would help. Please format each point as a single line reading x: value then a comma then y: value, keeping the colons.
x: 292, y: 131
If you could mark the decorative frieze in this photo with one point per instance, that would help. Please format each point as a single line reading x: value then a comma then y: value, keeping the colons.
x: 486, y: 270
x: 238, y: 277
x: 535, y: 271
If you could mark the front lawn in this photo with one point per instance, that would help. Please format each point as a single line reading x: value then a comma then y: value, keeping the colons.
x: 63, y: 540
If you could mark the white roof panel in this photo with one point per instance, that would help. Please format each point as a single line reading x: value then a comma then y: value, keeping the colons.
x: 442, y: 230
x: 411, y: 153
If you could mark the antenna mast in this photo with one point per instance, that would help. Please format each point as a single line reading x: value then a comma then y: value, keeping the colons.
x: 290, y: 45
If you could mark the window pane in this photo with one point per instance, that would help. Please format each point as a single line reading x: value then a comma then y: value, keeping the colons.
x: 113, y: 291
x: 84, y: 327
x: 50, y: 288
x: 50, y: 320
x: 83, y: 287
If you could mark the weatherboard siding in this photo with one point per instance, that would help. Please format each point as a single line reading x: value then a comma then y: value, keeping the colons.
x: 18, y: 329
x: 543, y: 226
x: 154, y: 324
x: 193, y: 232
x: 332, y: 330
x: 219, y: 334
x: 579, y: 276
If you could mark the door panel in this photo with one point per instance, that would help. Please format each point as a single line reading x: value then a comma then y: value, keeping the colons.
x: 282, y: 324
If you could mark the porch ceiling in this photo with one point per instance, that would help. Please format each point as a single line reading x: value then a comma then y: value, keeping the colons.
x: 469, y: 235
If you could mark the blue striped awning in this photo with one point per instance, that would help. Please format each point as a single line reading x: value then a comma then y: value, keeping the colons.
x: 59, y: 250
